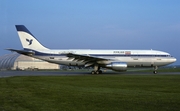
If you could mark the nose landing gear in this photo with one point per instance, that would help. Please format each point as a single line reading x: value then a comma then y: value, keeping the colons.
x: 155, y: 69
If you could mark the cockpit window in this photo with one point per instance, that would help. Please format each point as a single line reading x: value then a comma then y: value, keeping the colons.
x: 168, y: 55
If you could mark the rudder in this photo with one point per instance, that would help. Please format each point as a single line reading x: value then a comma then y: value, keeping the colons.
x: 28, y: 40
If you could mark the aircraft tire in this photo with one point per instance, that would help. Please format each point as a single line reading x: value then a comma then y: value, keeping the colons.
x: 92, y: 72
x: 155, y: 72
x: 97, y: 72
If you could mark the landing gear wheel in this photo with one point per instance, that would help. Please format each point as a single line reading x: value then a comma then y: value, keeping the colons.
x: 97, y: 72
x: 155, y: 72
x: 93, y: 72
x: 100, y: 72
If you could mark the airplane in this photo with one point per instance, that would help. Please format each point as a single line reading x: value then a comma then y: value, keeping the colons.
x: 117, y: 60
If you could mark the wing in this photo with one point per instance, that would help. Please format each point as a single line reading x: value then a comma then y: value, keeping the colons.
x: 87, y: 59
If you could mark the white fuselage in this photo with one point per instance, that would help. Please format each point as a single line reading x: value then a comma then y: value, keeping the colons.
x: 133, y: 58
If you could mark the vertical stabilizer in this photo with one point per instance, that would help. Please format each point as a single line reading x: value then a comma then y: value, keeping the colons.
x: 28, y: 41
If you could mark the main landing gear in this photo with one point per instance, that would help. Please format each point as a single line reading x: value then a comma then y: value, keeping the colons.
x: 96, y: 70
x: 155, y: 69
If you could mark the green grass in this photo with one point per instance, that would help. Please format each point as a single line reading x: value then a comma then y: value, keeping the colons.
x: 169, y: 70
x: 161, y: 69
x: 90, y: 93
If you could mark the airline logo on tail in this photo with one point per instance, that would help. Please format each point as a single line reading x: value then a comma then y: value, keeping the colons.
x: 29, y: 41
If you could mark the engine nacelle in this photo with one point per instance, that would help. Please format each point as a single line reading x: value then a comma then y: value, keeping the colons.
x: 117, y: 66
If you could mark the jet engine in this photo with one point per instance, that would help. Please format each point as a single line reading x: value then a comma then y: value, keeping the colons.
x: 117, y: 66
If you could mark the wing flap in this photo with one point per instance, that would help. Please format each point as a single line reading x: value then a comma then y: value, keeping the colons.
x: 87, y: 59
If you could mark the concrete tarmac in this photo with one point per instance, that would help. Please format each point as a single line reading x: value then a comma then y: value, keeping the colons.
x: 75, y: 73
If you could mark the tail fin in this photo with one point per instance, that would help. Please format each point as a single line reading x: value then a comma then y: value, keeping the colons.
x: 28, y: 41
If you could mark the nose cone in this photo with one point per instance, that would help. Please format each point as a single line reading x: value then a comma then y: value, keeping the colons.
x: 173, y: 59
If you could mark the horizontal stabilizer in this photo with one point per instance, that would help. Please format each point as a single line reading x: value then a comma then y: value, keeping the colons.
x: 24, y: 52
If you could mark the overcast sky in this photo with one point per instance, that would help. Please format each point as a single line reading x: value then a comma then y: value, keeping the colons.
x: 93, y: 24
